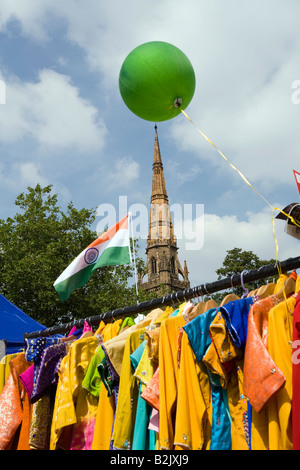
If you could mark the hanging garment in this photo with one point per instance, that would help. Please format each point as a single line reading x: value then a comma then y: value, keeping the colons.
x: 5, y: 369
x: 260, y: 383
x: 194, y: 408
x: 225, y: 359
x: 40, y: 426
x: 104, y: 384
x: 280, y: 338
x: 296, y: 375
x: 114, y: 348
x: 128, y: 395
x: 46, y: 372
x: 15, y: 408
x: 111, y: 371
x: 151, y: 393
x: 236, y: 318
x: 200, y: 341
x: 168, y: 378
x: 143, y: 438
x: 75, y: 408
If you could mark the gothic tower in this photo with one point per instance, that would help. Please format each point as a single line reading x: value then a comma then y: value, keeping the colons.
x: 162, y: 267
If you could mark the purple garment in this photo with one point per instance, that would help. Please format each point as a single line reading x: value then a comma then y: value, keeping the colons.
x: 46, y: 371
x: 113, y: 373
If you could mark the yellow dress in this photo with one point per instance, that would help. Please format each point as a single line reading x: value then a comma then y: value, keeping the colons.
x: 127, y: 396
x: 74, y: 408
x: 5, y: 369
x: 194, y: 407
x: 279, y: 408
x: 114, y: 348
x: 168, y: 379
x: 106, y: 405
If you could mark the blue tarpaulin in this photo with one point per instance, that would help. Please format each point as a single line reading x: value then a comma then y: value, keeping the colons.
x: 14, y: 323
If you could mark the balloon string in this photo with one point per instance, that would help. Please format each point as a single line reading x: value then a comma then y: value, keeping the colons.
x: 249, y: 184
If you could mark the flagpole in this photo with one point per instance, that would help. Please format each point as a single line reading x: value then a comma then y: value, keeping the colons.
x: 134, y: 261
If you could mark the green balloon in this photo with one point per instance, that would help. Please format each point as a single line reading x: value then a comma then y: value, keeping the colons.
x: 157, y: 78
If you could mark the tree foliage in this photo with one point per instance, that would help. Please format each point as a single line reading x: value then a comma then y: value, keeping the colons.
x: 235, y: 262
x: 38, y: 243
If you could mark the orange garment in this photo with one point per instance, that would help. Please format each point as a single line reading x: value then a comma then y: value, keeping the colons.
x: 15, y: 409
x: 260, y: 383
x: 168, y: 378
x: 151, y: 393
x: 263, y: 382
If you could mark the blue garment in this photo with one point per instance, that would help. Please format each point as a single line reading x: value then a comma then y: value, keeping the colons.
x: 143, y: 438
x: 235, y: 314
x: 199, y: 338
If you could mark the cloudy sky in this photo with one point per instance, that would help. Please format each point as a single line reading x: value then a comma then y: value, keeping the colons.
x: 63, y: 121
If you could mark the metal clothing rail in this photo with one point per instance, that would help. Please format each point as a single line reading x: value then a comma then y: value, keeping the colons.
x: 169, y: 299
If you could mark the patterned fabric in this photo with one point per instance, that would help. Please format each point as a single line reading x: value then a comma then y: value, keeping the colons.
x: 47, y: 370
x: 15, y: 408
x: 40, y: 427
x: 151, y: 393
x: 74, y: 406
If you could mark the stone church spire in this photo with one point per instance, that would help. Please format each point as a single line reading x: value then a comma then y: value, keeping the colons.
x: 163, y: 267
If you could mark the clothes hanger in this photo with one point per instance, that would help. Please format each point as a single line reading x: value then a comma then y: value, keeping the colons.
x: 266, y: 290
x: 211, y: 303
x: 229, y: 297
x: 246, y: 291
x: 287, y: 290
x: 195, y: 311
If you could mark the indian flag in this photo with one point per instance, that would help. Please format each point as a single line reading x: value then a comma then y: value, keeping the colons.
x: 112, y: 248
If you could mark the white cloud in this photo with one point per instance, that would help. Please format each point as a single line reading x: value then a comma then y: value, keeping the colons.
x: 16, y: 176
x: 30, y: 174
x: 123, y: 173
x: 52, y: 112
x: 225, y: 233
x: 246, y: 58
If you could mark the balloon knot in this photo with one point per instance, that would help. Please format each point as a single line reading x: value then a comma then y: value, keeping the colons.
x: 178, y: 102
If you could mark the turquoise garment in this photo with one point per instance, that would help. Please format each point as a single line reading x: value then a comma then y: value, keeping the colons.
x: 221, y: 419
x: 143, y: 438
x: 198, y: 332
x: 175, y: 313
x: 199, y: 338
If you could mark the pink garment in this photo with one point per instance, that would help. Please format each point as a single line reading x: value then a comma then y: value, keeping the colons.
x: 27, y: 379
x: 72, y: 331
x: 154, y: 421
x: 86, y: 327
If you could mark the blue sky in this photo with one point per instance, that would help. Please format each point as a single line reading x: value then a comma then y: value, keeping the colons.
x: 64, y: 122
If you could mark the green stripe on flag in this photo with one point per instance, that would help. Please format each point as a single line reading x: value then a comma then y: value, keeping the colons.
x: 79, y: 279
x: 112, y: 256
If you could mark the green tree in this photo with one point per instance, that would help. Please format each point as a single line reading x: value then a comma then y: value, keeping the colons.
x: 38, y: 244
x: 235, y: 262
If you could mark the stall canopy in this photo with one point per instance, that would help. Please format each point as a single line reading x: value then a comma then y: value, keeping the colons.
x: 14, y: 323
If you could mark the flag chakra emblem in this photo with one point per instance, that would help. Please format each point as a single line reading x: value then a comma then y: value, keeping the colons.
x: 91, y: 255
